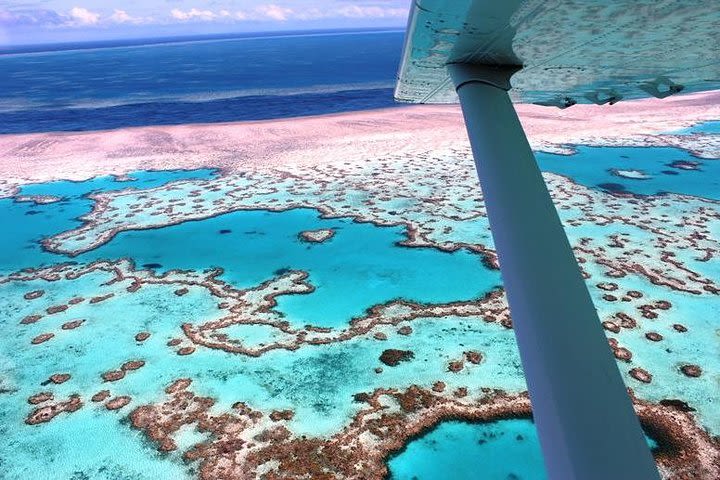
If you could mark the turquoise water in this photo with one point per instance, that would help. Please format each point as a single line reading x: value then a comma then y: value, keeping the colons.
x: 712, y: 127
x: 252, y: 247
x: 359, y: 267
x: 503, y: 450
x: 142, y: 179
x: 28, y: 223
x: 99, y: 450
x: 91, y: 443
x: 317, y: 383
x: 591, y: 166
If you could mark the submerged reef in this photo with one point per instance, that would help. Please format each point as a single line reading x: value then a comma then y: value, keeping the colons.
x: 317, y: 236
x: 244, y: 444
x: 623, y: 233
x: 222, y: 368
x: 256, y: 307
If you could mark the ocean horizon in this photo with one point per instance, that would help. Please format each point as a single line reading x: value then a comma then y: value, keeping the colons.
x: 196, y: 79
x: 23, y: 48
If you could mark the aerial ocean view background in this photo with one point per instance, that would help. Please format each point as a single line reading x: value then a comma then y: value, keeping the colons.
x: 206, y: 80
x: 205, y: 301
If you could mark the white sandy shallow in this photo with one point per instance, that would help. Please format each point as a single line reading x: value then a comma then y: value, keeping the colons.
x: 340, y: 137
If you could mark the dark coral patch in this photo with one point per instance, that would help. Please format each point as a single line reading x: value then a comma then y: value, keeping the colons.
x: 59, y: 378
x: 186, y: 351
x: 48, y: 412
x: 461, y: 392
x: 113, y: 375
x: 34, y: 294
x: 626, y: 321
x: 56, y: 309
x: 277, y: 415
x: 611, y: 326
x: 473, y: 356
x: 73, y: 324
x: 101, y: 298
x: 132, y: 365
x: 653, y: 336
x: 30, y: 319
x: 685, y: 165
x: 142, y: 336
x: 663, y: 305
x: 677, y: 404
x: 405, y: 330
x: 42, y: 338
x: 317, y: 236
x: 641, y: 375
x: 622, y: 353
x: 100, y: 396
x: 455, y: 366
x: 40, y: 398
x: 607, y: 286
x: 117, y: 402
x: 690, y: 370
x: 392, y: 357
x: 361, y: 397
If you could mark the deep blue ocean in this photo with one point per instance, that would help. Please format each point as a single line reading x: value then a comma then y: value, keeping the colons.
x: 197, y: 81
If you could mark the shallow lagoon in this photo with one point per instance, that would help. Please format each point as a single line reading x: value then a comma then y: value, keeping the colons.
x: 359, y: 267
x: 29, y: 223
x: 594, y: 166
x: 503, y: 450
